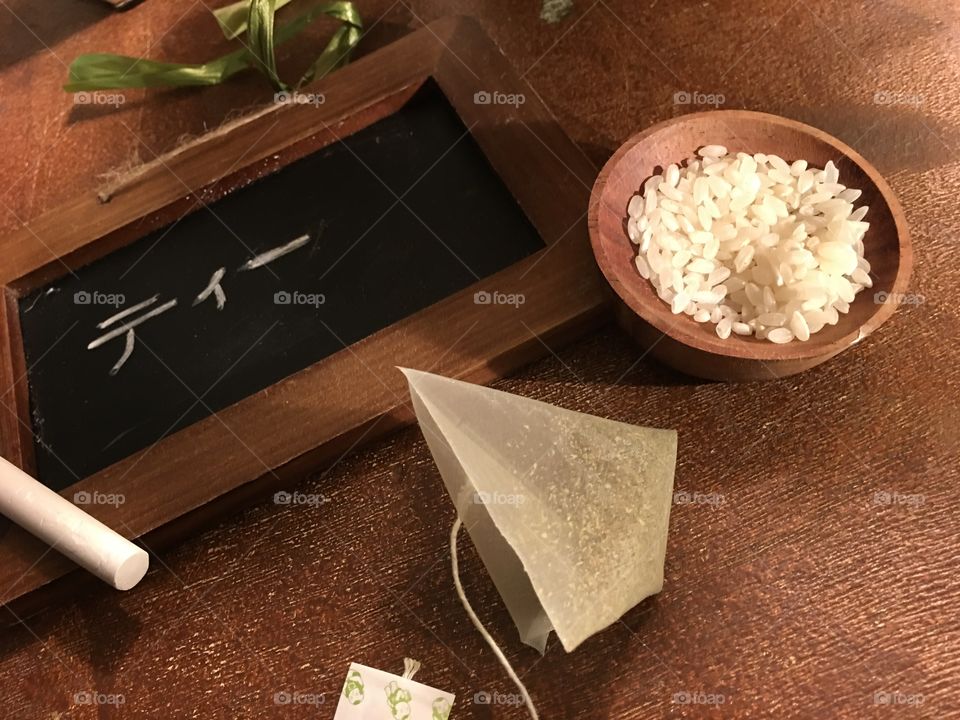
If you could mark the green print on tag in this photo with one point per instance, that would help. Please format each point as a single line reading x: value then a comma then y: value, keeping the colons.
x: 441, y: 709
x: 353, y: 688
x: 398, y: 699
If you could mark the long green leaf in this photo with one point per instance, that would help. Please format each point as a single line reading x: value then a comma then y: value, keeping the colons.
x: 101, y: 71
x: 233, y: 17
x: 260, y: 33
x: 338, y: 49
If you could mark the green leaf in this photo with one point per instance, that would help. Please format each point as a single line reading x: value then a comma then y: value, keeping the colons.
x: 100, y: 71
x: 338, y: 49
x: 233, y: 17
x: 260, y: 34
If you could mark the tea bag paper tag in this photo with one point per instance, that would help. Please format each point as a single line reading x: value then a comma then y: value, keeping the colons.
x: 371, y: 694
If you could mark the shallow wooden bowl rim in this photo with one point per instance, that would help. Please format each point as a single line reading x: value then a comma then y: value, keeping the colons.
x: 683, y: 328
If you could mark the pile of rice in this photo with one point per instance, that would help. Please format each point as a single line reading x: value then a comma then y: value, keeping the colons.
x: 752, y: 243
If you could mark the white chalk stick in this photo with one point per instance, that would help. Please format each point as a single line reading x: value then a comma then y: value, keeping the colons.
x: 68, y: 529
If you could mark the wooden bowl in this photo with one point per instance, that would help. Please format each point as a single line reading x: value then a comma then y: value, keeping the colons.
x: 693, y: 347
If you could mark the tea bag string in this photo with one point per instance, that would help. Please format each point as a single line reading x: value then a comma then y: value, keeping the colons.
x: 455, y: 567
x: 410, y: 668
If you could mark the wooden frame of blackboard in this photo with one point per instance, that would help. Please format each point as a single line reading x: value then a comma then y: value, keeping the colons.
x: 197, y: 474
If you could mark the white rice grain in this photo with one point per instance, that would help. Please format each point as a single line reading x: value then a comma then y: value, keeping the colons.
x: 754, y: 244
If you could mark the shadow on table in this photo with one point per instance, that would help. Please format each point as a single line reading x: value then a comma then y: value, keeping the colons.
x: 896, y: 131
x: 246, y: 92
x: 895, y: 127
x: 28, y: 27
x: 643, y: 369
x: 108, y: 632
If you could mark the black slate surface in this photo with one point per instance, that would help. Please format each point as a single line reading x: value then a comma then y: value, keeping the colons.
x: 372, y: 259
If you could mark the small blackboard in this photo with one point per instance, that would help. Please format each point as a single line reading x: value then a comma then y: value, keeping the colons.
x: 398, y: 216
x: 230, y: 405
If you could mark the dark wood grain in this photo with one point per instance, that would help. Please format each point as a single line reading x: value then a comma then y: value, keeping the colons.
x: 792, y: 587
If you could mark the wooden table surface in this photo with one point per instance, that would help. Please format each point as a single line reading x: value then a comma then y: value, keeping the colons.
x: 812, y: 571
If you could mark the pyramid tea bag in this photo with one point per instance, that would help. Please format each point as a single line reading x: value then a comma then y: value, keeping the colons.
x: 568, y: 511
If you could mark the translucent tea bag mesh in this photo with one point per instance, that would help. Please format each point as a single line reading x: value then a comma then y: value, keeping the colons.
x: 568, y: 511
